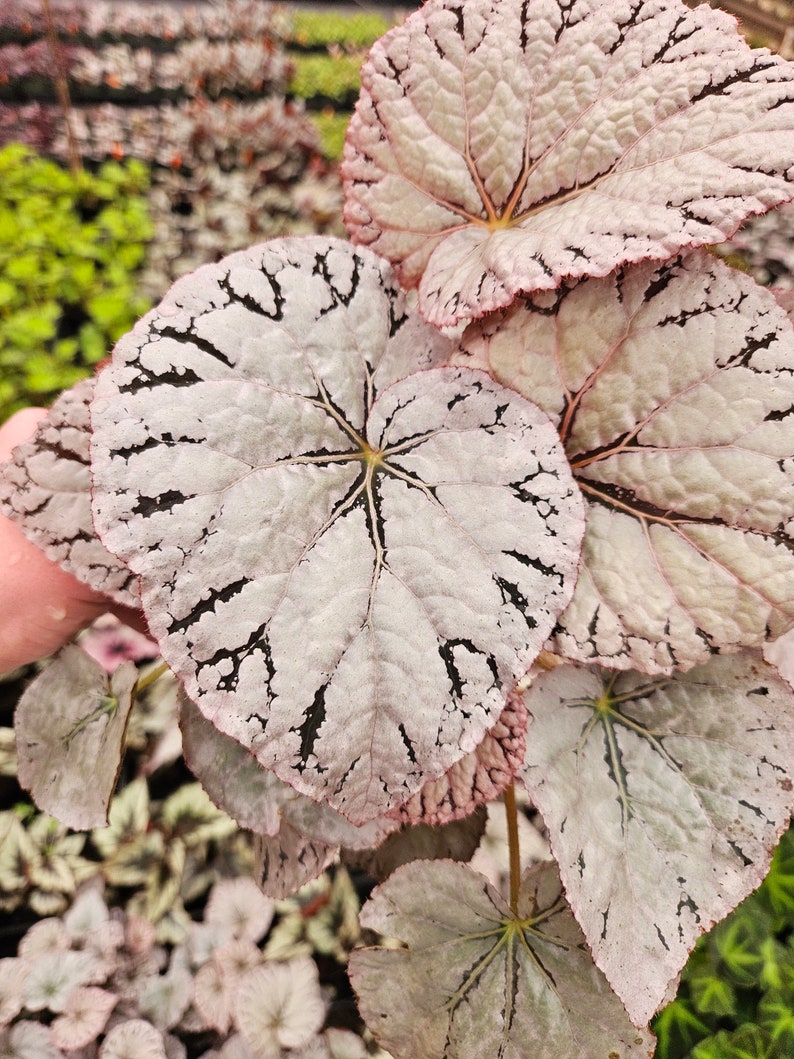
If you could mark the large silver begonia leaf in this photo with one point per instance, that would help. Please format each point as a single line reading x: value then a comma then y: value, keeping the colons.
x: 474, y: 979
x: 45, y: 488
x: 347, y: 568
x: 663, y: 800
x: 673, y: 390
x: 500, y: 146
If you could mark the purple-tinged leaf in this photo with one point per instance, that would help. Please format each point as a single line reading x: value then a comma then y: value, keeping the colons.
x: 673, y: 390
x: 45, y: 490
x: 346, y: 571
x: 686, y: 779
x: 478, y: 778
x: 456, y: 840
x: 70, y: 725
x: 499, y: 147
x: 477, y: 980
x: 256, y: 798
x: 288, y: 860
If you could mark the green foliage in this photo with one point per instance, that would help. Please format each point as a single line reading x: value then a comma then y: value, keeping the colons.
x: 736, y: 999
x: 313, y: 29
x: 70, y: 245
x: 331, y: 128
x: 328, y: 77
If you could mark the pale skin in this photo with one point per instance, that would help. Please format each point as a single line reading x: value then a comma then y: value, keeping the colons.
x: 41, y: 605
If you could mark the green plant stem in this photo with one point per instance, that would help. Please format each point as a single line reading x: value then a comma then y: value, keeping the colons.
x: 512, y: 842
x: 150, y: 678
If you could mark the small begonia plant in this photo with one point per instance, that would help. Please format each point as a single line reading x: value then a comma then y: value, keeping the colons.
x: 397, y: 569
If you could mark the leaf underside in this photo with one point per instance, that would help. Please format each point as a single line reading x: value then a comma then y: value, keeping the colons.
x: 685, y: 778
x: 340, y: 563
x: 500, y: 146
x: 475, y: 980
x: 45, y: 489
x: 456, y: 840
x: 673, y: 390
x: 70, y: 725
x: 478, y: 778
x: 285, y: 862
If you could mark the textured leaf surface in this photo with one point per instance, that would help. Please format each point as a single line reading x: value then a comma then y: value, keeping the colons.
x: 345, y: 570
x: 478, y: 778
x: 474, y: 980
x: 500, y: 146
x: 45, y: 489
x: 685, y: 779
x: 673, y: 390
x: 255, y: 797
x: 70, y: 725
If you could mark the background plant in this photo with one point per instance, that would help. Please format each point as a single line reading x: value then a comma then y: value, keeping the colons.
x: 71, y: 249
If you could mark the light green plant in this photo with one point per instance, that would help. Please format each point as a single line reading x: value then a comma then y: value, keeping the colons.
x: 70, y: 246
x: 312, y: 29
x: 328, y: 77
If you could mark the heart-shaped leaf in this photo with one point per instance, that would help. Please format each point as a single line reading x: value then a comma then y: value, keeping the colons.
x: 347, y: 572
x: 673, y: 390
x: 500, y: 146
x: 45, y: 488
x: 686, y: 779
x: 477, y: 980
x: 70, y: 726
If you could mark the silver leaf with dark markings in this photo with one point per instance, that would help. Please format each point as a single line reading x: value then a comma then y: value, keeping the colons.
x: 686, y: 779
x: 45, y: 488
x: 673, y: 390
x: 499, y: 146
x: 347, y: 567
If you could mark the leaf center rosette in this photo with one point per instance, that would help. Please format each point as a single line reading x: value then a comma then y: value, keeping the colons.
x: 347, y: 552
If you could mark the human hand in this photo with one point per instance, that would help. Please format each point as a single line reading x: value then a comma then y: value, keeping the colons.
x: 41, y: 605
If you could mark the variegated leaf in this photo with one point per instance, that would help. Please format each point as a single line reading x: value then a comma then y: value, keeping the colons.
x: 70, y: 725
x: 663, y: 800
x: 45, y: 489
x: 475, y: 979
x: 500, y: 146
x: 478, y: 778
x: 345, y: 570
x: 673, y: 390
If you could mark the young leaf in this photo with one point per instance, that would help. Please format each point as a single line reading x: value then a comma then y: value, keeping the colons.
x: 45, y: 489
x: 69, y: 757
x: 346, y: 571
x: 673, y: 390
x: 499, y: 147
x: 476, y: 979
x: 687, y: 778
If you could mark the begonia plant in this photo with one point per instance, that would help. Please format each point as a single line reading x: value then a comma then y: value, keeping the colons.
x: 399, y: 569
